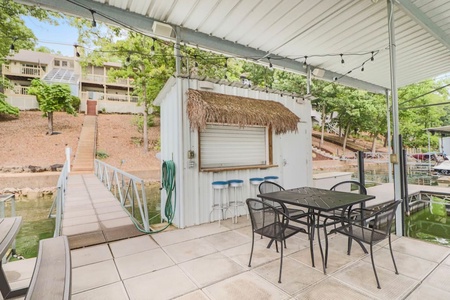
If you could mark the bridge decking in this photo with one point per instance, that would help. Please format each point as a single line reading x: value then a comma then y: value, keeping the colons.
x: 385, y: 192
x: 92, y: 215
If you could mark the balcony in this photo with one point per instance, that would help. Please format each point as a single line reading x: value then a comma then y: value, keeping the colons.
x: 20, y: 70
x: 108, y: 97
x: 100, y: 79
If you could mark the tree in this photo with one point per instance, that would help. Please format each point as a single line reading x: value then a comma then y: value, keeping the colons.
x: 51, y: 98
x: 14, y: 35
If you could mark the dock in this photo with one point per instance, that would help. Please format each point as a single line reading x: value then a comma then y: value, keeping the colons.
x: 112, y: 260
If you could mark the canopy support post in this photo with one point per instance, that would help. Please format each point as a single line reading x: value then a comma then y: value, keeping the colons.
x: 396, y: 132
x: 389, y: 144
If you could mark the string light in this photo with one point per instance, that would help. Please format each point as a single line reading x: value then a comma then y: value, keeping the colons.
x: 362, y: 68
x: 270, y: 63
x: 152, y: 48
x: 76, y: 50
x: 94, y: 23
x: 342, y: 58
x: 372, y: 58
x: 304, y: 62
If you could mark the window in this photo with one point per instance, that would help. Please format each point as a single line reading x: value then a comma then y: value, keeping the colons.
x: 64, y: 63
x: 231, y: 146
x: 57, y: 63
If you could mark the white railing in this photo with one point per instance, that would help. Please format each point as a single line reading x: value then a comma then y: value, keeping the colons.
x: 58, y: 202
x: 128, y: 189
x: 23, y: 70
x: 105, y: 79
x: 109, y: 97
x: 21, y: 90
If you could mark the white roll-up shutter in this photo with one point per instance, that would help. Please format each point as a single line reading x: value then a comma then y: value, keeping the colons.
x: 229, y: 146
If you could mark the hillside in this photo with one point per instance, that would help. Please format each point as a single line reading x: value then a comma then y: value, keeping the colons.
x: 23, y: 141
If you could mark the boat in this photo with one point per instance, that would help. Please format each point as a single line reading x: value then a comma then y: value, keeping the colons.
x: 443, y: 167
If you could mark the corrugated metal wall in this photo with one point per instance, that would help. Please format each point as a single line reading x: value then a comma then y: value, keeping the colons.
x: 291, y: 152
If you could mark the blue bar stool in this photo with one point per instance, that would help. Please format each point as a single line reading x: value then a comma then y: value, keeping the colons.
x: 219, y: 203
x: 237, y: 200
x: 255, y: 182
x: 271, y: 178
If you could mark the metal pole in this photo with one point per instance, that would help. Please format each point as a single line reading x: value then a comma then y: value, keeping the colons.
x: 396, y: 131
x: 361, y: 176
x: 180, y: 134
x: 308, y: 80
x: 388, y: 120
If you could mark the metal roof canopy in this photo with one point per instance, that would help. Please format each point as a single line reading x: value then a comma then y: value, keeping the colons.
x: 288, y: 30
x: 415, y: 48
x: 440, y: 130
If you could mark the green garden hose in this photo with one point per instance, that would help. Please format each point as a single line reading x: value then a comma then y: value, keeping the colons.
x: 168, y: 183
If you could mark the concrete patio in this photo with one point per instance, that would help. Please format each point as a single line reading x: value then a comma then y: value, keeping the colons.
x: 210, y: 262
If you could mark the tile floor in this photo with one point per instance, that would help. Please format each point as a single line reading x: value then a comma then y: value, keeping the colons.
x: 211, y: 262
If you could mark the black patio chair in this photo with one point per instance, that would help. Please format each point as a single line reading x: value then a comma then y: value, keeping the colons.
x: 379, y: 222
x: 269, y: 187
x: 344, y: 186
x: 271, y: 222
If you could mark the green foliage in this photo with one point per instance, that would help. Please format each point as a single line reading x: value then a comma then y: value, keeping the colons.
x: 100, y: 154
x: 76, y: 102
x: 55, y: 97
x: 6, y: 108
x: 138, y: 121
x: 13, y: 29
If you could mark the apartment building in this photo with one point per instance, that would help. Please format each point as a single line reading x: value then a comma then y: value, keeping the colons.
x: 91, y: 84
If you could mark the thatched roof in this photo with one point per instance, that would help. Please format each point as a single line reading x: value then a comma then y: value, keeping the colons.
x: 208, y: 107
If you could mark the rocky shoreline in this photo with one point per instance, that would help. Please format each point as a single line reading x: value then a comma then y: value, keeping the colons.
x: 29, y: 193
x: 31, y: 169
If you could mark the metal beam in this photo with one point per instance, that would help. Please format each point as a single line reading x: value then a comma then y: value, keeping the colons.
x: 419, y: 17
x: 143, y: 24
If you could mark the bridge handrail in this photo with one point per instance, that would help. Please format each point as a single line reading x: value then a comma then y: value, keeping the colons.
x: 58, y: 202
x: 126, y: 189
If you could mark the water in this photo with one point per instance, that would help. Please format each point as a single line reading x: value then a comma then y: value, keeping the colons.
x: 431, y: 223
x: 35, y: 224
x: 428, y: 224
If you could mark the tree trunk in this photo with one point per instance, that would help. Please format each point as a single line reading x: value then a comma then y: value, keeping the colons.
x: 323, y: 127
x: 374, y: 144
x: 344, y: 145
x: 145, y: 125
x: 50, y: 123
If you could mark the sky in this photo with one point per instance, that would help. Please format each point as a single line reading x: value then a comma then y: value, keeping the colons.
x: 58, y: 38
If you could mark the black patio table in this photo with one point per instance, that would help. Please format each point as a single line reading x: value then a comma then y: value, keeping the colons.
x: 317, y: 201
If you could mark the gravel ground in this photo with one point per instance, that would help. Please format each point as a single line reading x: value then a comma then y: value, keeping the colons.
x: 23, y: 140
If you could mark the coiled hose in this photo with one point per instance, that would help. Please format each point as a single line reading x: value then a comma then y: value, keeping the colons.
x: 168, y: 183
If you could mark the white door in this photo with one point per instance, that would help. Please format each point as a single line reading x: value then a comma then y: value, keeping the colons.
x: 295, y: 160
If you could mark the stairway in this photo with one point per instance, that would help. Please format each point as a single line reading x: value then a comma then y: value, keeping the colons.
x: 84, y: 158
x: 324, y: 153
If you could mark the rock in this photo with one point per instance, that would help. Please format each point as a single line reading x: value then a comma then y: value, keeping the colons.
x: 9, y: 191
x: 48, y: 191
x: 56, y: 167
x: 34, y: 194
x: 25, y: 191
x: 34, y: 169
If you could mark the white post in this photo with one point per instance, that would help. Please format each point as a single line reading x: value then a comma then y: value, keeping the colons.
x: 68, y: 150
x: 395, y: 120
x: 388, y: 120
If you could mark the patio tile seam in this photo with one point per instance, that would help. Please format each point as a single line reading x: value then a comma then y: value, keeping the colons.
x: 100, y: 286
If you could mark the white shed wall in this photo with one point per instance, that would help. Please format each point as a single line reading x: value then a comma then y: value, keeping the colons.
x: 291, y: 152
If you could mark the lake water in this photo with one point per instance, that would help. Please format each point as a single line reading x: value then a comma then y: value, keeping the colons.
x: 426, y: 224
